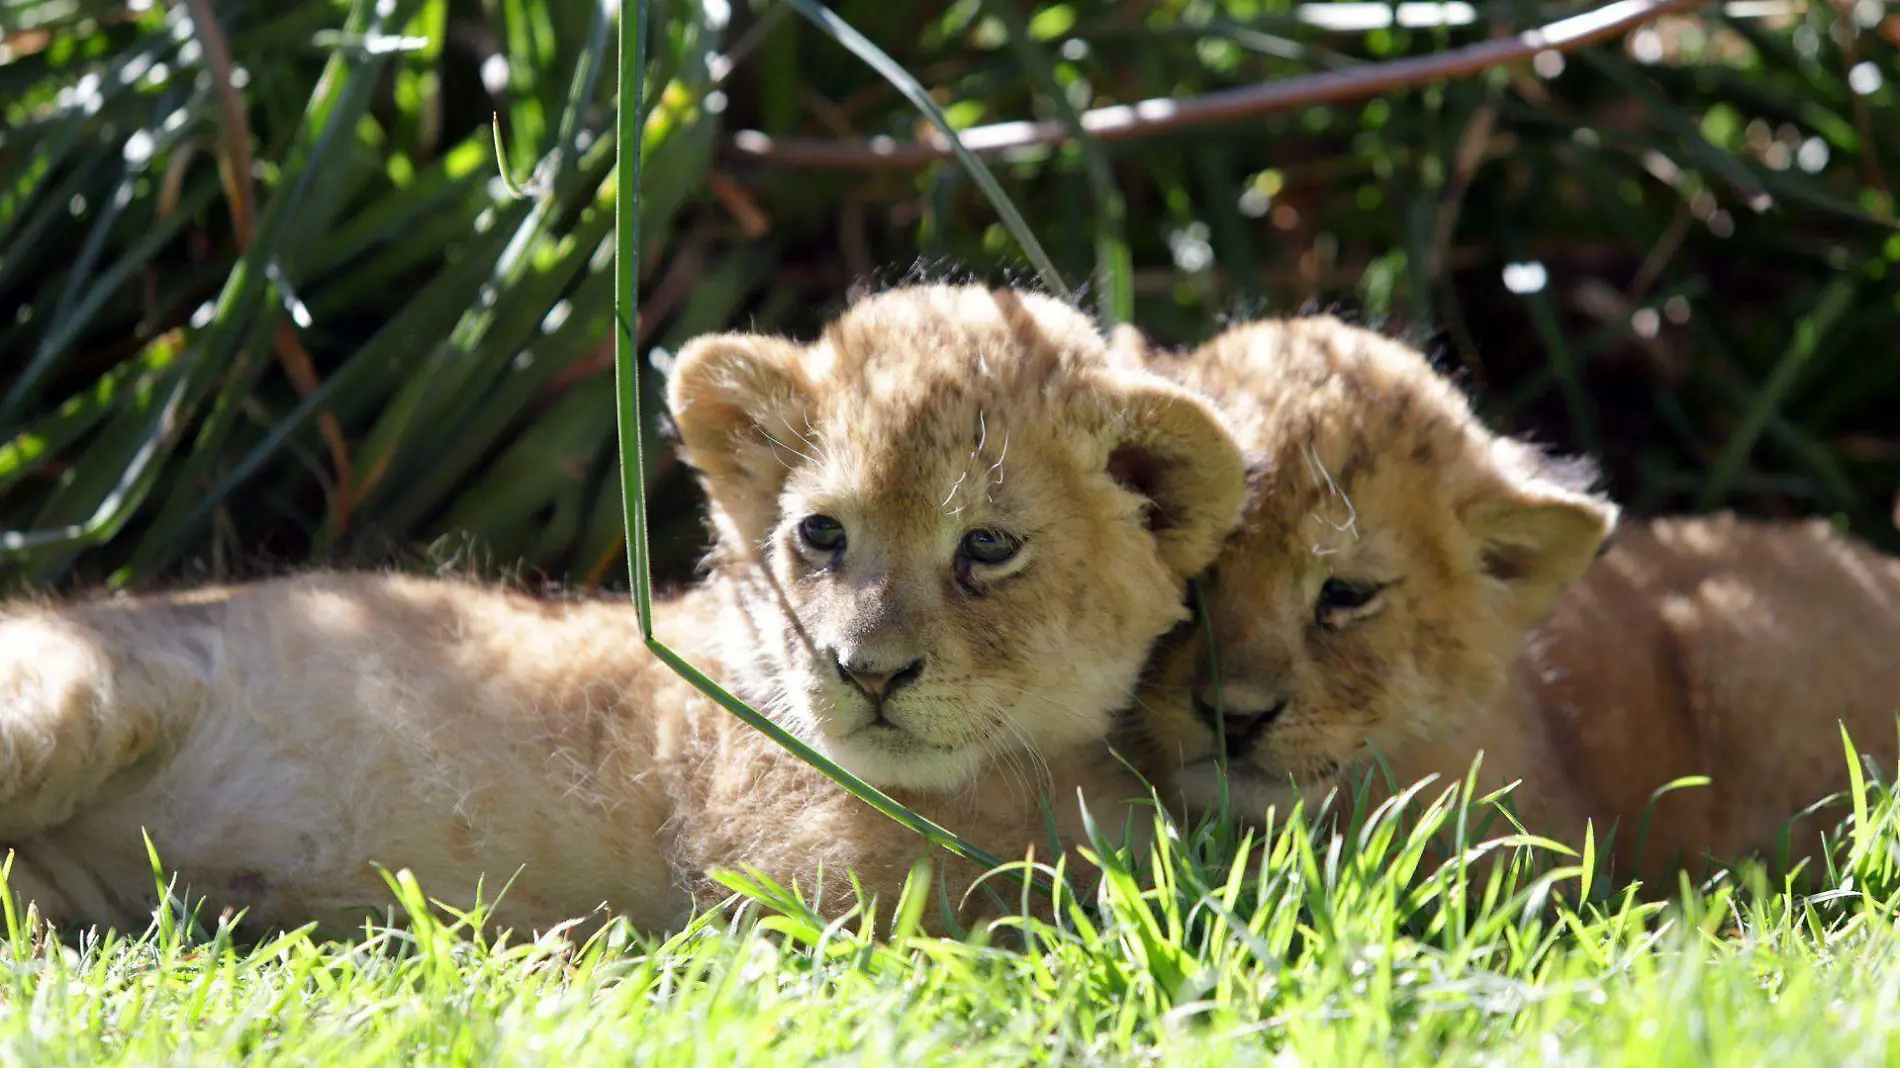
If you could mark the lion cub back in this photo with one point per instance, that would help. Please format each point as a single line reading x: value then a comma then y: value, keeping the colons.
x: 1724, y: 647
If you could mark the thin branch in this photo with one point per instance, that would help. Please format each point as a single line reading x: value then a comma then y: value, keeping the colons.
x: 236, y: 154
x: 1124, y: 122
x: 235, y: 166
x: 1863, y: 118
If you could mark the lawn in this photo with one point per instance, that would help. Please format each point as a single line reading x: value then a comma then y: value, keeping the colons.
x: 1286, y: 947
x: 269, y: 302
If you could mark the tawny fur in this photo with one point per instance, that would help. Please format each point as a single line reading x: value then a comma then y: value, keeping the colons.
x: 277, y: 740
x: 1706, y: 646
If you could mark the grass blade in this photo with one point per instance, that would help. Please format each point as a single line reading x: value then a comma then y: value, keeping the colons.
x: 1114, y: 268
x: 1813, y: 328
x: 878, y: 60
x: 630, y: 133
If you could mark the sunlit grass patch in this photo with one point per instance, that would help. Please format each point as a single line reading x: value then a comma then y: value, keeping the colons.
x: 1224, y: 945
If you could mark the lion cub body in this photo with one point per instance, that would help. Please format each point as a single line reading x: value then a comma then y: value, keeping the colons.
x: 1714, y: 646
x: 1403, y: 582
x: 274, y: 738
x: 278, y: 741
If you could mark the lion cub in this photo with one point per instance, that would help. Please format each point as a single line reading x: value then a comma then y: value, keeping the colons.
x: 913, y: 516
x: 1403, y: 580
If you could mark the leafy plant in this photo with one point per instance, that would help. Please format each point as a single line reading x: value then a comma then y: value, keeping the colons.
x: 363, y: 341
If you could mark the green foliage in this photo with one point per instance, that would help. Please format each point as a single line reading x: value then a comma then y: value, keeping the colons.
x: 390, y: 348
x: 452, y: 332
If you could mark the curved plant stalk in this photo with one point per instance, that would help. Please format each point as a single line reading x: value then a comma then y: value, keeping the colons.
x: 630, y: 128
x: 1114, y: 266
x: 874, y: 57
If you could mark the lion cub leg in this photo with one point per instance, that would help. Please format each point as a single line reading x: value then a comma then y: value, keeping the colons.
x: 86, y: 696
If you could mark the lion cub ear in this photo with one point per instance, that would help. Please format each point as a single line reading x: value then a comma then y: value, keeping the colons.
x: 1537, y: 536
x: 736, y: 399
x: 1169, y: 446
x: 1128, y: 347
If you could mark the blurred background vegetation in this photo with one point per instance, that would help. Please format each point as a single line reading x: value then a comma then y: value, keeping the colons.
x: 265, y: 298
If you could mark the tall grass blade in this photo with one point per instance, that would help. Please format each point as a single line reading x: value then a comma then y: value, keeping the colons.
x: 630, y: 131
x: 1809, y: 333
x: 1114, y: 268
x: 902, y: 80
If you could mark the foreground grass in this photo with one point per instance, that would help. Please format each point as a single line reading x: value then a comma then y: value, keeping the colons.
x: 1292, y: 947
x: 1767, y: 996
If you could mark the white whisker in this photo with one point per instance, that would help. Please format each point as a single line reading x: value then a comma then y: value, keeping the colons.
x: 796, y: 452
x: 808, y: 436
x: 996, y: 469
x: 1012, y: 759
x: 953, y: 492
x: 1324, y: 479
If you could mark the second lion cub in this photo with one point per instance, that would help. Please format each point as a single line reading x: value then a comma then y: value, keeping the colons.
x: 912, y: 518
x: 1403, y: 580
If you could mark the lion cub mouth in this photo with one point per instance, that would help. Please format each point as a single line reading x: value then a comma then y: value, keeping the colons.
x: 1242, y: 768
x: 872, y: 727
x: 891, y: 755
x: 890, y: 741
x: 885, y: 732
x: 871, y: 723
x: 1252, y: 789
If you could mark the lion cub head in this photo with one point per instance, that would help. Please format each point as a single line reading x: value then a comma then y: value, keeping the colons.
x: 1392, y: 557
x: 953, y: 525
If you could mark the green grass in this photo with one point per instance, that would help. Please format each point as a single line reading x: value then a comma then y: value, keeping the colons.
x: 444, y: 382
x: 1286, y: 947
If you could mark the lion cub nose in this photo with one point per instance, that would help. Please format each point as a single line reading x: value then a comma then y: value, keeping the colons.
x: 1243, y: 711
x: 876, y: 680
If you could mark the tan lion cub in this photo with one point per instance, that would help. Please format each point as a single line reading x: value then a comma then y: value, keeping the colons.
x: 1400, y: 580
x: 914, y: 517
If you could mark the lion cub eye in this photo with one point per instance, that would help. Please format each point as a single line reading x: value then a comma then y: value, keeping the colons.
x: 1337, y: 597
x: 986, y: 546
x: 822, y: 533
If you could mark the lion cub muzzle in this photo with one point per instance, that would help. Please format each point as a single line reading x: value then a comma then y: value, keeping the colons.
x: 876, y: 641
